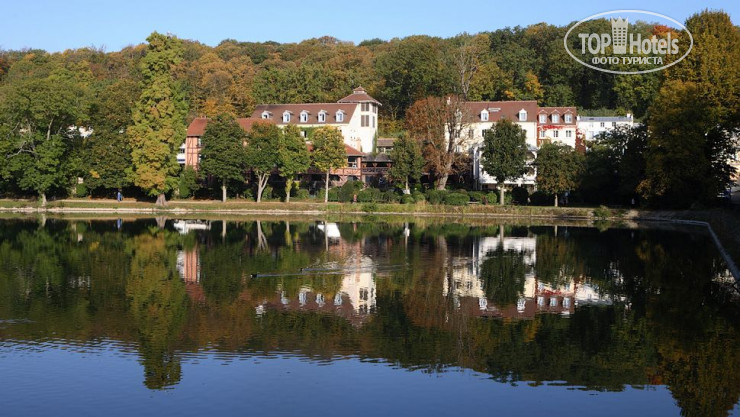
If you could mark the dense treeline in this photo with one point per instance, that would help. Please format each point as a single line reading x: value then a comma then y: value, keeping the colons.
x: 43, y: 94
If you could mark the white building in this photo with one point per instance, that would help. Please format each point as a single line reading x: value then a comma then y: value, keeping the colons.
x: 557, y: 124
x: 592, y: 126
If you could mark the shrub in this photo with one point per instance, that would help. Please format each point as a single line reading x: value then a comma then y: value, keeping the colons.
x: 390, y: 196
x: 457, y: 199
x: 81, y: 190
x: 477, y: 196
x: 302, y: 194
x: 461, y: 191
x: 492, y: 197
x: 369, y: 195
x: 520, y: 195
x: 602, y: 213
x: 407, y: 199
x: 436, y: 196
x: 348, y: 190
x: 333, y: 194
x: 267, y: 193
x: 188, y: 182
x: 539, y: 198
x: 418, y: 196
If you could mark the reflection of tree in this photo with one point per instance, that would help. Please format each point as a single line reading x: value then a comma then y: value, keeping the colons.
x: 503, y: 274
x: 158, y: 305
x: 558, y: 259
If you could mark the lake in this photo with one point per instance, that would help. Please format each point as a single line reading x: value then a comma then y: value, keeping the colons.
x: 432, y: 317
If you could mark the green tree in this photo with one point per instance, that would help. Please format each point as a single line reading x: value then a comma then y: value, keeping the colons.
x: 328, y: 153
x: 293, y: 156
x: 223, y: 154
x: 260, y: 154
x: 504, y: 153
x: 158, y: 119
x: 558, y: 168
x: 407, y: 161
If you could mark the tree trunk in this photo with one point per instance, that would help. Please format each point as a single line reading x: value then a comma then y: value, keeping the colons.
x: 556, y: 199
x: 261, y: 184
x: 502, y: 191
x: 43, y: 199
x: 223, y: 191
x: 442, y: 182
x: 288, y: 187
x: 326, y: 188
x: 406, y: 190
x: 161, y: 200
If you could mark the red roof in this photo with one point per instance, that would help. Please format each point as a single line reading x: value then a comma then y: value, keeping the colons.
x: 350, y: 151
x: 198, y: 125
x: 500, y: 109
x: 359, y: 95
x: 561, y: 111
x: 275, y: 112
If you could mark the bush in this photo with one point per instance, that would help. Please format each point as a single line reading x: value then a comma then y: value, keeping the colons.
x: 602, y: 213
x: 520, y: 195
x: 457, y: 199
x: 188, y: 182
x: 302, y: 194
x: 477, y: 196
x: 492, y: 197
x: 348, y: 190
x: 539, y: 198
x: 418, y: 196
x: 436, y: 196
x: 267, y: 193
x: 461, y: 191
x: 390, y: 196
x: 407, y: 199
x: 333, y: 194
x: 81, y: 190
x: 369, y: 195
x: 370, y: 208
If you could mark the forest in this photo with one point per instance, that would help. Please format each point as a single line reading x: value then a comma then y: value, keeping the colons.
x: 44, y: 95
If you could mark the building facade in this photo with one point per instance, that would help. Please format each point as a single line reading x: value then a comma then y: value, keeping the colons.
x: 592, y: 126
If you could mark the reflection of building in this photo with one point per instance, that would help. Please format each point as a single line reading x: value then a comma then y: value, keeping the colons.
x: 188, y: 266
x: 537, y: 297
x: 185, y: 226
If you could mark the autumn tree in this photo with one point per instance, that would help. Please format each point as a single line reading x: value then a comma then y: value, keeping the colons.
x: 158, y: 119
x: 328, y: 153
x: 261, y: 157
x: 293, y: 156
x: 441, y: 126
x: 223, y: 155
x: 467, y: 57
x: 504, y: 153
x: 558, y: 168
x: 407, y: 161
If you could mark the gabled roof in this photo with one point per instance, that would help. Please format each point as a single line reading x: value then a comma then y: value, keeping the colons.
x: 385, y: 142
x: 561, y: 111
x: 313, y: 110
x: 198, y: 126
x: 350, y: 151
x: 359, y: 95
x: 500, y: 109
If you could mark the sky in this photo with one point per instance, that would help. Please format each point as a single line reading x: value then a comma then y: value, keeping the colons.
x: 58, y: 25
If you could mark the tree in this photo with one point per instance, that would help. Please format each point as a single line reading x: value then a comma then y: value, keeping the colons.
x: 441, y: 126
x: 328, y: 153
x: 467, y: 58
x: 223, y: 155
x: 158, y: 119
x: 407, y: 161
x: 293, y: 156
x: 261, y: 157
x: 558, y: 168
x: 504, y: 152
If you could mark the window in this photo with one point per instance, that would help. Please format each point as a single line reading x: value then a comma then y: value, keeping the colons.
x: 484, y: 115
x: 614, y: 124
x: 286, y: 117
x: 556, y: 118
x: 375, y: 108
x: 322, y: 116
x: 543, y: 118
x: 555, y: 133
x: 265, y: 114
x: 542, y: 133
x: 601, y: 124
x: 568, y: 133
x: 340, y: 116
x: 365, y: 106
x: 373, y: 122
x: 568, y: 118
x: 200, y: 142
x: 304, y: 116
x: 522, y: 115
x: 484, y: 132
x: 364, y: 121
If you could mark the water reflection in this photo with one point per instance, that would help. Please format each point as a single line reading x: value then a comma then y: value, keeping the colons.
x: 595, y: 310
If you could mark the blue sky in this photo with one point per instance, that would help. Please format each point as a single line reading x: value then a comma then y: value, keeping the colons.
x: 65, y: 24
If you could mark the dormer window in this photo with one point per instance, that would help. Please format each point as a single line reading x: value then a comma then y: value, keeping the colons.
x: 322, y: 116
x: 568, y: 118
x: 522, y: 115
x: 286, y: 117
x: 266, y: 114
x: 484, y: 115
x: 304, y: 116
x: 556, y: 118
x: 543, y: 118
x: 340, y: 116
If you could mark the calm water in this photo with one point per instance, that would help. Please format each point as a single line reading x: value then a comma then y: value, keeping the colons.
x: 154, y: 317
